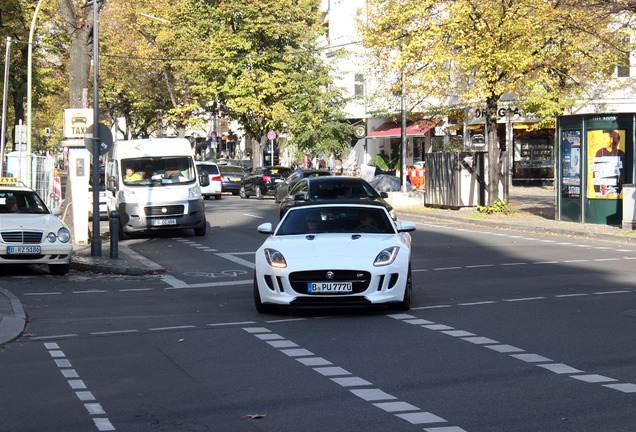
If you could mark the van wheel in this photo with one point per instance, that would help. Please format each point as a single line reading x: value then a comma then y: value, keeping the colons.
x: 200, y: 231
x: 243, y: 193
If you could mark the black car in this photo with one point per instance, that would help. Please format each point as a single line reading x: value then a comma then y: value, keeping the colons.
x: 329, y: 188
x: 262, y: 181
x: 283, y: 188
x: 231, y: 177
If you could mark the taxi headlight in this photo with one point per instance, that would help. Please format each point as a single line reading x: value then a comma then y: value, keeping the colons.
x: 51, y: 237
x: 386, y: 257
x: 275, y: 258
x: 64, y: 235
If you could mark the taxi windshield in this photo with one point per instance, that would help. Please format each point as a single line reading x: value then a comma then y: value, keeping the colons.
x: 21, y: 201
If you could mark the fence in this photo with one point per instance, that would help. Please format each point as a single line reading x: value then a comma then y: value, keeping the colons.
x: 42, y: 174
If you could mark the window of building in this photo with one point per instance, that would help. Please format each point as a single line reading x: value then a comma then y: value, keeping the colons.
x: 623, y: 68
x: 358, y: 88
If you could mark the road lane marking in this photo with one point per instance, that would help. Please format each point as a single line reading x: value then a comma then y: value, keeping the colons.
x: 83, y: 394
x: 359, y: 387
x: 522, y: 355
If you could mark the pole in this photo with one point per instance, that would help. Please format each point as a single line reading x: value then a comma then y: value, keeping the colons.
x: 4, y: 105
x: 403, y: 146
x: 29, y: 91
x: 96, y: 241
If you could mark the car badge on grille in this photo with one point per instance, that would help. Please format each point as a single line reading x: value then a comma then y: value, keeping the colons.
x: 329, y: 275
x: 164, y: 210
x: 359, y: 275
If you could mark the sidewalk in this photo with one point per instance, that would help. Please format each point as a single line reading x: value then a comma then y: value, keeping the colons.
x: 534, y: 212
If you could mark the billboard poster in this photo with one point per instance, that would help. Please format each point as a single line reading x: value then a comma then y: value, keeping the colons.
x: 606, y: 163
x: 571, y: 154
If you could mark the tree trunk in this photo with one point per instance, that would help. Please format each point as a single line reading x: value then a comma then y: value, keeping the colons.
x: 79, y: 28
x: 495, y: 156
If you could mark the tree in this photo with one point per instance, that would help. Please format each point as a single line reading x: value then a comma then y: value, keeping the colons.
x: 263, y: 67
x: 455, y: 53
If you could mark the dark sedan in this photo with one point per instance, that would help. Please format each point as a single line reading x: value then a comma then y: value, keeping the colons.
x: 231, y: 177
x: 309, y: 190
x: 262, y: 181
x: 283, y: 188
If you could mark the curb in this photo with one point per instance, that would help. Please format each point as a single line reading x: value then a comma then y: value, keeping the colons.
x: 129, y: 263
x: 11, y: 325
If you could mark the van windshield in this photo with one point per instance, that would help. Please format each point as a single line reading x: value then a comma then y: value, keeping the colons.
x: 158, y: 171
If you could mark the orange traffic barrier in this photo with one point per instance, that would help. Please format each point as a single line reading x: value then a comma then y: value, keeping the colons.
x: 418, y: 178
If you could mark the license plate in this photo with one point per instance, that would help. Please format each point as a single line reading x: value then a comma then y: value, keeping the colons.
x: 23, y: 250
x: 329, y: 287
x: 235, y: 179
x: 161, y: 222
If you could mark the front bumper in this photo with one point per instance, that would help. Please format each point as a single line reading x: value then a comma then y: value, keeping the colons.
x: 137, y: 218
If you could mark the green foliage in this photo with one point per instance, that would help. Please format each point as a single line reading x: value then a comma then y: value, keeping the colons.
x: 499, y: 207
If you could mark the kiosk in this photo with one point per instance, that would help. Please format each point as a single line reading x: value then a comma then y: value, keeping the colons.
x: 595, y: 162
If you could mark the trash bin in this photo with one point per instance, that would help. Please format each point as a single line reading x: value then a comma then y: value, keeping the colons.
x: 629, y: 206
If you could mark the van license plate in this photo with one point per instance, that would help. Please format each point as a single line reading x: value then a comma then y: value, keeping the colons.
x: 23, y: 250
x: 161, y: 222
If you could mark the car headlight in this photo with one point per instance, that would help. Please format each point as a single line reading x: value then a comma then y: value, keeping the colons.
x: 127, y: 196
x: 386, y: 257
x: 64, y: 235
x: 194, y: 192
x: 275, y: 258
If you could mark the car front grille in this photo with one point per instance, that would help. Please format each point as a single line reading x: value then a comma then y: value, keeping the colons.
x: 30, y: 237
x: 170, y: 210
x: 359, y: 279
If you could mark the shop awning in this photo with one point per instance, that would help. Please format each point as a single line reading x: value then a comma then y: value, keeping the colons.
x: 393, y: 130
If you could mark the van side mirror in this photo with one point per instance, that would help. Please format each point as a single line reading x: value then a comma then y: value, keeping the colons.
x: 111, y: 183
x: 204, y: 179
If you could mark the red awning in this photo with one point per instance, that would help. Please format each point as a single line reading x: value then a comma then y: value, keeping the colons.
x: 392, y: 129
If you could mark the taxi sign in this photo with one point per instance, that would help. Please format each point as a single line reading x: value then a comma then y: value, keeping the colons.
x: 8, y: 181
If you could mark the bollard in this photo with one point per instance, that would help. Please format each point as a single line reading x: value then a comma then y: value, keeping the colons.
x: 114, y: 234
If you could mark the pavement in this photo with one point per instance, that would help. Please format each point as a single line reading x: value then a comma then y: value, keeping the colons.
x: 532, y: 210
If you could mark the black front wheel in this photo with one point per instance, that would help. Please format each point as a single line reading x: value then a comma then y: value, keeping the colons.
x: 405, y: 304
x: 260, y: 306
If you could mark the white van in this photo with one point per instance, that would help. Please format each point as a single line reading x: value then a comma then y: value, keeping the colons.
x: 153, y: 184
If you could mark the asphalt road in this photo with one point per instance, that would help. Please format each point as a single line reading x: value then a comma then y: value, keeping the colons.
x: 508, y: 332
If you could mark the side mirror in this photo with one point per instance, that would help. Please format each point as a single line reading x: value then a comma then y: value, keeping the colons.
x: 265, y: 228
x: 300, y: 197
x: 204, y: 179
x: 405, y: 226
x: 384, y: 194
x: 111, y: 183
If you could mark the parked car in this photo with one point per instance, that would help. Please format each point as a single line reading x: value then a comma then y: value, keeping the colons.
x: 262, y: 181
x: 231, y: 177
x: 329, y: 188
x: 283, y: 188
x: 214, y: 189
x: 29, y: 232
x: 330, y: 255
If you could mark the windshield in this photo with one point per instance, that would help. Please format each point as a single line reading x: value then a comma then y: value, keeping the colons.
x: 342, y: 189
x: 336, y: 219
x: 156, y: 171
x: 21, y: 202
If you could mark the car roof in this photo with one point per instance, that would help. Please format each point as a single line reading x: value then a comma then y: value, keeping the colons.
x: 10, y: 184
x: 206, y: 163
x: 338, y: 203
x: 336, y: 179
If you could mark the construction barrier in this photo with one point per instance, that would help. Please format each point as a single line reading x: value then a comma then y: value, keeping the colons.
x: 57, y: 187
x: 418, y: 178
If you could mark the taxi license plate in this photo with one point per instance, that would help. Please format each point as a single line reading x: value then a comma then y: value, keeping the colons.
x: 235, y: 179
x: 329, y: 287
x: 161, y: 222
x: 23, y: 250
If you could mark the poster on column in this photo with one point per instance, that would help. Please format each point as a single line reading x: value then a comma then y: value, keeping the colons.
x: 571, y: 153
x: 606, y: 163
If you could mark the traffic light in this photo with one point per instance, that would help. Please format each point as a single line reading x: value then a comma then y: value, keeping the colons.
x: 47, y: 132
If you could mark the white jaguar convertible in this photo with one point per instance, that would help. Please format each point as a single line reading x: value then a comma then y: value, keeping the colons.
x: 334, y: 255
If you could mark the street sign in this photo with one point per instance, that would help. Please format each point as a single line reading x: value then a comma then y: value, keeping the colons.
x: 271, y: 135
x: 104, y: 143
x: 213, y: 135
